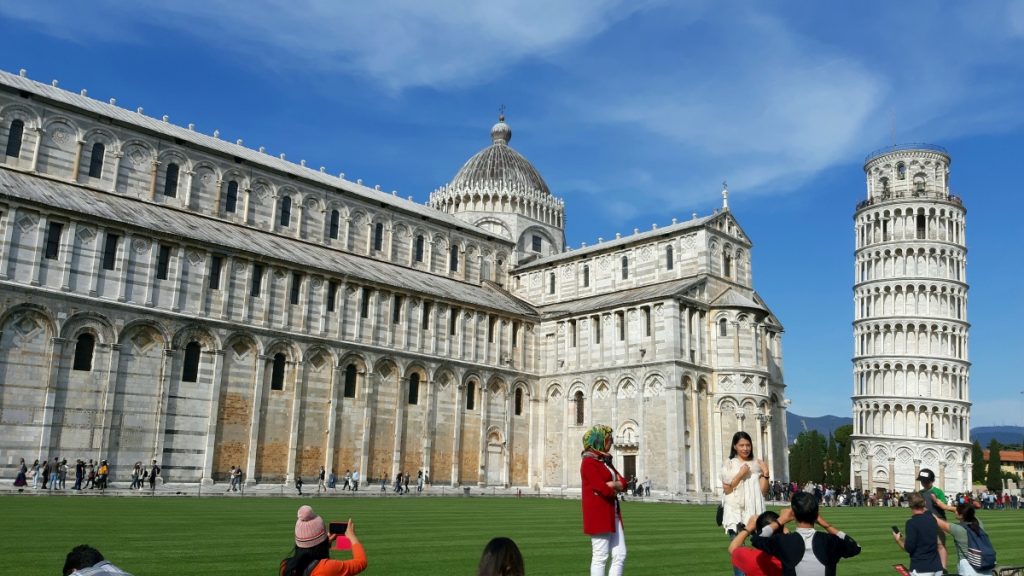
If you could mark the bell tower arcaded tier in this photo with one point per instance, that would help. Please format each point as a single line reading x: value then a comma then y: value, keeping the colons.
x: 500, y: 191
x: 910, y: 366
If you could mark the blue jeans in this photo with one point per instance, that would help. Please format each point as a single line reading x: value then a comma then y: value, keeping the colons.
x: 735, y: 571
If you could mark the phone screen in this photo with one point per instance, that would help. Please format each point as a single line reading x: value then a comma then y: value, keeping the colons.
x: 895, y: 530
x: 339, y: 528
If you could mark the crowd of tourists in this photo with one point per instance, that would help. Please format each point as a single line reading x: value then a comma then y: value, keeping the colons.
x: 88, y: 475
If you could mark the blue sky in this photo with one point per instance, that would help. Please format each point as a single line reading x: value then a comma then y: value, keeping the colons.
x: 633, y: 111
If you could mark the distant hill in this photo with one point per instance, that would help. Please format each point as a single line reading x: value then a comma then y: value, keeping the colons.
x: 1003, y: 434
x: 795, y: 424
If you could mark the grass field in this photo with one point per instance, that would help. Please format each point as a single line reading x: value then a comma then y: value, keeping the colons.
x: 406, y: 535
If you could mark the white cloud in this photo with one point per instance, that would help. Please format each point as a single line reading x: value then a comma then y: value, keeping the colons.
x: 397, y: 43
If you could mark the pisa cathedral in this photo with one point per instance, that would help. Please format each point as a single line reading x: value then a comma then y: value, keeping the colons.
x: 167, y: 295
x: 911, y: 373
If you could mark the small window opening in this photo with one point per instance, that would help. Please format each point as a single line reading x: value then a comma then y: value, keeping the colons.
x: 335, y: 224
x: 163, y: 262
x: 96, y: 160
x: 216, y: 264
x: 171, y: 180
x: 519, y: 402
x: 256, y: 287
x: 378, y: 236
x: 580, y: 412
x: 332, y: 294
x: 190, y: 368
x: 625, y: 267
x: 296, y: 288
x: 414, y: 388
x: 14, y: 138
x: 110, y: 251
x: 350, y: 381
x: 277, y: 372
x: 53, y: 234
x: 286, y: 212
x: 84, y: 348
x: 471, y: 396
x: 419, y: 249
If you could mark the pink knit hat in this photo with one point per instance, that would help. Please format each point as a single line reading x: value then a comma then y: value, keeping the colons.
x: 309, y: 528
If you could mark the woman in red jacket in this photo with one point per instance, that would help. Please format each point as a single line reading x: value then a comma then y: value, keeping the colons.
x: 601, y: 483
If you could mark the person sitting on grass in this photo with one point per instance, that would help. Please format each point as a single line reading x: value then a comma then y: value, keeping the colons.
x: 751, y: 561
x: 312, y: 553
x: 84, y: 560
x: 805, y: 551
x: 501, y: 557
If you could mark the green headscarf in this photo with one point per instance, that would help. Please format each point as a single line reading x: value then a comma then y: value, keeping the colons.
x: 594, y: 438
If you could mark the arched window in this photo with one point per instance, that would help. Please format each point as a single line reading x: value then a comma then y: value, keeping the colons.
x: 277, y: 373
x: 901, y: 171
x: 471, y: 396
x: 350, y: 381
x: 96, y: 160
x: 723, y: 327
x: 453, y: 263
x: 171, y: 180
x: 625, y: 267
x: 726, y: 264
x: 83, y: 352
x: 418, y: 249
x: 190, y: 369
x: 586, y: 275
x: 378, y: 236
x: 577, y: 399
x: 519, y: 402
x: 14, y: 137
x: 286, y: 211
x: 414, y: 388
x: 884, y: 183
x: 335, y: 223
x: 231, y: 202
x: 551, y: 282
x: 669, y: 260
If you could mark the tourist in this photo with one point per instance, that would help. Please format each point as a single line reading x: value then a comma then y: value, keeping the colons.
x: 348, y: 481
x: 602, y: 519
x: 355, y: 480
x: 55, y: 474
x: 79, y: 474
x: 46, y: 472
x: 751, y: 561
x: 136, y: 476
x: 501, y: 557
x: 154, y: 472
x: 922, y: 539
x: 298, y: 484
x: 236, y: 478
x: 84, y: 560
x: 36, y: 474
x: 312, y: 553
x: 332, y: 481
x: 968, y: 521
x: 62, y: 473
x: 90, y: 478
x: 101, y: 475
x: 745, y: 483
x: 20, y: 480
x: 419, y: 481
x: 826, y: 548
x: 321, y: 480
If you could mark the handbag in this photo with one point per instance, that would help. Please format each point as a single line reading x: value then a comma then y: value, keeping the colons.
x: 719, y: 514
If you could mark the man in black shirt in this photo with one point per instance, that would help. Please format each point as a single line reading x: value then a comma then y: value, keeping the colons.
x: 922, y: 539
x: 805, y: 551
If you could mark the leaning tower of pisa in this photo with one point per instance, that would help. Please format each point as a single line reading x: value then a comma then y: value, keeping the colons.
x: 910, y: 367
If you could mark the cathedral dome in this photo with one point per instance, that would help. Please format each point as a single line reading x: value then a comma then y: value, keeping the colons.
x: 499, y: 167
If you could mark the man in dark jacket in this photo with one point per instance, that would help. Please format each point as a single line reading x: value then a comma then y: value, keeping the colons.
x: 827, y: 548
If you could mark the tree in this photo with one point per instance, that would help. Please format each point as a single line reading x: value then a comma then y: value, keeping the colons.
x: 977, y: 463
x: 994, y: 478
x: 843, y: 448
x: 807, y: 457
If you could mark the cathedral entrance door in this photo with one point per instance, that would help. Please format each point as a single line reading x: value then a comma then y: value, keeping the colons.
x: 494, y: 465
x: 629, y: 466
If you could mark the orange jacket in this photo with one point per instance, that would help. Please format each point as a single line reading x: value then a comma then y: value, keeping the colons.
x: 331, y: 567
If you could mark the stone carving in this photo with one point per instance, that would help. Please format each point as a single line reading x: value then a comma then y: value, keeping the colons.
x: 195, y: 257
x: 626, y: 390
x: 140, y: 245
x: 238, y: 266
x: 654, y: 388
x: 26, y: 222
x: 646, y: 254
x: 60, y: 136
x: 279, y: 274
x: 316, y: 282
x: 86, y: 234
x: 601, y: 392
x: 137, y: 156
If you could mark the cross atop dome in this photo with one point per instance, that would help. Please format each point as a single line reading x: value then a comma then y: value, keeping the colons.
x: 500, y: 132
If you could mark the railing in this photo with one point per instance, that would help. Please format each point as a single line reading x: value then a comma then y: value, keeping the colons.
x: 887, y: 196
x: 909, y: 146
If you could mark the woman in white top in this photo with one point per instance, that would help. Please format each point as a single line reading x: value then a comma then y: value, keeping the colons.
x: 745, y: 483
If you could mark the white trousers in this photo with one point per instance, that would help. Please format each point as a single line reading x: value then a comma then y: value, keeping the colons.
x: 965, y: 569
x: 602, y: 544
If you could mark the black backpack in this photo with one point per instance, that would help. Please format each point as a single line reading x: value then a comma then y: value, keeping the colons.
x: 980, y: 553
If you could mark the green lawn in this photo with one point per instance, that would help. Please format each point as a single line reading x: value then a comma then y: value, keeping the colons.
x: 405, y: 535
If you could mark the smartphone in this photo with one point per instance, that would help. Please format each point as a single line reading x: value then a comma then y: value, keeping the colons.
x: 895, y: 530
x: 339, y: 528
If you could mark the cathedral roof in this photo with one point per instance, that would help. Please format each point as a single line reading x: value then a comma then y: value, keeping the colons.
x: 162, y: 221
x: 733, y: 299
x: 139, y: 121
x: 499, y: 167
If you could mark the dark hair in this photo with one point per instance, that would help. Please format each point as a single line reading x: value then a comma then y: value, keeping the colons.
x: 805, y: 507
x: 766, y: 518
x: 966, y: 512
x: 81, y: 556
x: 300, y: 558
x: 501, y: 557
x: 741, y: 435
